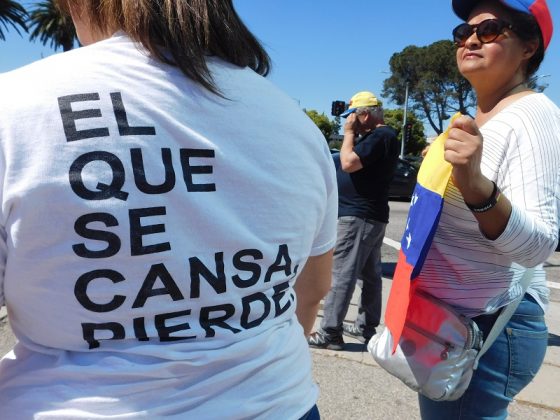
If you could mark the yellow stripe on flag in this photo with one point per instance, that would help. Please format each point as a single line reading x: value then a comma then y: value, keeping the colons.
x: 435, y: 170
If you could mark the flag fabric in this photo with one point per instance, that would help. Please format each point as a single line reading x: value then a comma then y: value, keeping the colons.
x: 423, y: 217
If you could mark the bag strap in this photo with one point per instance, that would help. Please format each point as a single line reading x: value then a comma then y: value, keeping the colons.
x: 505, y: 315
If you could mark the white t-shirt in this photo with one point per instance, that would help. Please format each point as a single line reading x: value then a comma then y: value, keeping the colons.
x: 151, y: 233
x: 521, y: 153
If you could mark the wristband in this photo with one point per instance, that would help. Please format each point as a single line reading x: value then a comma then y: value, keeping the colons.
x: 491, y: 202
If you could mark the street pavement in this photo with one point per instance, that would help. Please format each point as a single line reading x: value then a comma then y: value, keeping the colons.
x: 353, y: 386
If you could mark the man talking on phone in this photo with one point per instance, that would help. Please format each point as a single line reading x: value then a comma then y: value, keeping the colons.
x: 364, y: 167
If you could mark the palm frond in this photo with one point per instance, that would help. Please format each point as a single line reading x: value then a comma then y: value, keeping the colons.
x: 12, y: 14
x: 51, y: 27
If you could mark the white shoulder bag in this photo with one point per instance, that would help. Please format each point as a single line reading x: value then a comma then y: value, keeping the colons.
x: 439, y: 348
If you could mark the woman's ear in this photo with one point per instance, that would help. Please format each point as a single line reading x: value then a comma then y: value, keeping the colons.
x: 530, y: 48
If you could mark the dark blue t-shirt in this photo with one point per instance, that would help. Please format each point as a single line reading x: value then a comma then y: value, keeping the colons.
x: 365, y: 193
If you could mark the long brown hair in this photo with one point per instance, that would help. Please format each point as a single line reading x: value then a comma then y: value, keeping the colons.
x: 182, y: 33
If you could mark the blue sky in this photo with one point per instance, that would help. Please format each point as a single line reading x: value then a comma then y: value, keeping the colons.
x: 325, y: 50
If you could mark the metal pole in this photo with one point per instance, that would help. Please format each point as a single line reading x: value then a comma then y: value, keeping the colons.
x: 404, y: 119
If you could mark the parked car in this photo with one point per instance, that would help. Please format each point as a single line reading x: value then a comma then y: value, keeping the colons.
x: 404, y: 180
x: 415, y: 161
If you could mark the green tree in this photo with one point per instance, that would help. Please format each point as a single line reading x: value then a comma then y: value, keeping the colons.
x: 326, y: 126
x: 51, y: 26
x: 337, y: 124
x: 436, y: 88
x: 12, y: 14
x: 417, y: 140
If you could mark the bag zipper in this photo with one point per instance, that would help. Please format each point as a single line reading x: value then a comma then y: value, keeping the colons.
x: 445, y: 344
x: 474, y: 340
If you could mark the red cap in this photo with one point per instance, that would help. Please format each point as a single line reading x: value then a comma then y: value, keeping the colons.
x: 537, y: 8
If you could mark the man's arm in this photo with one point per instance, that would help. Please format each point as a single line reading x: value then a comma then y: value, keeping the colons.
x: 312, y: 285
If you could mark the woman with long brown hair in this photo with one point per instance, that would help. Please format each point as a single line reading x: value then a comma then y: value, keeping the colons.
x: 166, y: 222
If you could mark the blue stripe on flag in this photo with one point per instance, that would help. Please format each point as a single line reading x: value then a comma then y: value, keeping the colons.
x: 423, y: 217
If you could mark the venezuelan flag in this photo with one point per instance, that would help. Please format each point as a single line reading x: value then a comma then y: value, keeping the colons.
x: 423, y: 217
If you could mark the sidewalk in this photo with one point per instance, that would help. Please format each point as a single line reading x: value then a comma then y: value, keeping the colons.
x: 354, y: 387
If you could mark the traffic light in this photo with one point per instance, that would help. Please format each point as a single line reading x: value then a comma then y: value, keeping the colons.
x: 407, y: 132
x: 338, y: 107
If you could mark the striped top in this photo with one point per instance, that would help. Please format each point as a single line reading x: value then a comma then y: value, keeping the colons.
x: 522, y: 155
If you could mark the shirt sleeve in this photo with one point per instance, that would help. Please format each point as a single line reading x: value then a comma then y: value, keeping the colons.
x: 325, y: 237
x: 531, y: 181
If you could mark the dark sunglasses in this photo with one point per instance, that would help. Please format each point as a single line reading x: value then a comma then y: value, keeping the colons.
x: 486, y: 31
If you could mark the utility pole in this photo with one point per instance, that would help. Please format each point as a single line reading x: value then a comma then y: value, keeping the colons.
x: 403, y: 131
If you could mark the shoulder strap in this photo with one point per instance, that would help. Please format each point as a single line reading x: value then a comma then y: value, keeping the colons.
x: 505, y: 315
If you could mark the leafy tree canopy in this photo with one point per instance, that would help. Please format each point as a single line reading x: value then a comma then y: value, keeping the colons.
x: 12, y: 14
x: 417, y: 140
x: 436, y: 88
x: 326, y: 126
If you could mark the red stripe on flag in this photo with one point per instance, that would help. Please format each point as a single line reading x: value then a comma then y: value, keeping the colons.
x: 399, y: 298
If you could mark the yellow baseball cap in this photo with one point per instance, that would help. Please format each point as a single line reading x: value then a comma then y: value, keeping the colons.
x: 360, y: 100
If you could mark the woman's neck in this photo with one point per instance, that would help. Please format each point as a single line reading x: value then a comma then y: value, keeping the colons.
x: 491, y: 101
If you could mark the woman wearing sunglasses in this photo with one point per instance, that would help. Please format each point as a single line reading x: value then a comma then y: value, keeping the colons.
x: 501, y: 206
